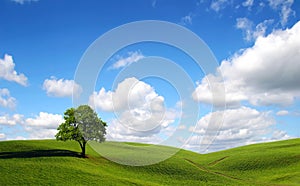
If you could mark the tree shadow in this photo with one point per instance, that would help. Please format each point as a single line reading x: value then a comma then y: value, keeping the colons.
x: 39, y: 153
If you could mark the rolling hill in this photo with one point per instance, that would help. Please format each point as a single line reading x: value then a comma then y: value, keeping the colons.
x: 50, y: 162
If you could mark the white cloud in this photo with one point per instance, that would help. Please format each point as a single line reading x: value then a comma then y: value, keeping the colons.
x: 43, y: 126
x: 7, y: 71
x: 247, y: 75
x: 61, y: 87
x: 248, y: 3
x: 218, y: 5
x: 118, y: 132
x: 232, y: 96
x: 244, y: 23
x: 11, y: 120
x: 24, y: 1
x: 2, y: 136
x: 40, y: 133
x: 129, y: 93
x: 279, y: 135
x: 240, y: 126
x: 45, y: 120
x: 285, y: 9
x: 102, y: 100
x: 235, y: 120
x: 187, y: 19
x: 6, y: 100
x: 246, y: 26
x: 129, y: 125
x: 282, y: 113
x: 250, y: 32
x: 16, y: 138
x: 133, y: 57
x: 139, y: 109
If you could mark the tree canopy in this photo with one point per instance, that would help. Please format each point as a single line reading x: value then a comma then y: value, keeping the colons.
x: 82, y: 125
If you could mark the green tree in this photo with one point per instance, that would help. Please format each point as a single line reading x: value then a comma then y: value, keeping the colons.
x: 82, y: 125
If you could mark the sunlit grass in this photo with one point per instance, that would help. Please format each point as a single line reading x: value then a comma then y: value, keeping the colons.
x: 49, y: 162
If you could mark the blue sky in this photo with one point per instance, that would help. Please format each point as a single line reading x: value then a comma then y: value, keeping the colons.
x: 255, y: 44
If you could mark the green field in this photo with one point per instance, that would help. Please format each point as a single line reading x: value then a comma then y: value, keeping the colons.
x: 50, y: 162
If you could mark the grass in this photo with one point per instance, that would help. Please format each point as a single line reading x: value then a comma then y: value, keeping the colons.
x: 49, y: 162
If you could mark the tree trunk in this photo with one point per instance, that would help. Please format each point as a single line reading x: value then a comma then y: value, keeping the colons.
x: 83, y: 149
x: 82, y: 146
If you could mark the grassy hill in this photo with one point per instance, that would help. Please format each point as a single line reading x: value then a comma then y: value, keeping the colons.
x: 49, y: 162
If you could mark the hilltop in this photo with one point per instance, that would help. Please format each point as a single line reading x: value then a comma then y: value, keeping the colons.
x: 45, y: 162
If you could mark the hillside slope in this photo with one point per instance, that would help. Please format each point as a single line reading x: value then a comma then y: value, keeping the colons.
x: 57, y: 163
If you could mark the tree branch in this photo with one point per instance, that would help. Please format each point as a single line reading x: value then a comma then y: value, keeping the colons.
x: 80, y: 144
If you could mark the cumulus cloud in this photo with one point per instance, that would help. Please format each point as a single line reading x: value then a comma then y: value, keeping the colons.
x: 133, y: 57
x: 43, y: 126
x: 11, y: 120
x: 62, y: 87
x: 139, y: 109
x: 129, y: 93
x: 118, y: 132
x: 232, y: 96
x: 45, y: 120
x: 241, y: 126
x: 129, y: 128
x: 6, y: 100
x: 102, y: 100
x: 8, y: 72
x: 247, y: 76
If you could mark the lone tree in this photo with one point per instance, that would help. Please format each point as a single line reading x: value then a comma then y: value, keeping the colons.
x: 82, y: 125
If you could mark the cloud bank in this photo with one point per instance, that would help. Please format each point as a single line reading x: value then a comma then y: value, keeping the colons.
x: 266, y: 74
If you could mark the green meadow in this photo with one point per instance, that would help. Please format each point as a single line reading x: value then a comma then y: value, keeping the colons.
x: 50, y: 162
